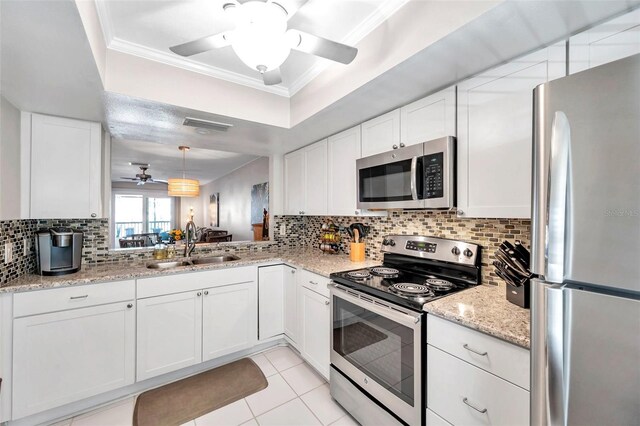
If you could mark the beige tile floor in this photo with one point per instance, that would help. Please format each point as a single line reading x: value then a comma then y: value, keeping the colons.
x: 296, y: 396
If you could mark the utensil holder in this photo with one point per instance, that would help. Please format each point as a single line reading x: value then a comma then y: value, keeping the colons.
x: 520, y: 296
x: 356, y: 252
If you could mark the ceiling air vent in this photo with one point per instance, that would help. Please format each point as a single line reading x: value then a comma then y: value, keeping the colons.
x: 206, y: 124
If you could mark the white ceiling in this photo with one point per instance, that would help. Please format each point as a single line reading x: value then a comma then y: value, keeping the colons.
x: 148, y: 28
x: 166, y: 161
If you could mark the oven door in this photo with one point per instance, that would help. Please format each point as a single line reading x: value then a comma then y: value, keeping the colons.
x: 379, y: 347
x: 391, y: 180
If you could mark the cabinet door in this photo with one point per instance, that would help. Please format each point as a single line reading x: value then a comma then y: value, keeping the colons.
x: 494, y: 135
x: 381, y: 133
x: 66, y: 356
x: 294, y: 165
x: 316, y: 342
x: 316, y: 179
x: 344, y: 150
x: 291, y: 304
x: 230, y: 320
x: 608, y: 42
x: 270, y: 301
x: 169, y: 333
x: 429, y: 118
x: 65, y: 154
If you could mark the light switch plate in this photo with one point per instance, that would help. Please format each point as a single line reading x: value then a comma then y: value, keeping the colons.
x: 8, y: 252
x: 27, y: 246
x: 283, y: 229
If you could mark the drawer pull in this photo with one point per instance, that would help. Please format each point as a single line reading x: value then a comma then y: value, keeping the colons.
x: 466, y: 401
x: 313, y: 282
x: 79, y: 297
x: 326, y: 302
x: 470, y: 349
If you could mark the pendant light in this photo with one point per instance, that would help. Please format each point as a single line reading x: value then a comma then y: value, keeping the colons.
x: 183, y: 187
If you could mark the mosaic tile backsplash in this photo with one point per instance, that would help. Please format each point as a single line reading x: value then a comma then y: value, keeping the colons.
x: 304, y: 231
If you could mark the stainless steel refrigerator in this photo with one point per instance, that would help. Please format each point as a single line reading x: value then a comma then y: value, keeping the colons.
x: 585, y: 311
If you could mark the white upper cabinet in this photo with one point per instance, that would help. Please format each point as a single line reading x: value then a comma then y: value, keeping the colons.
x: 65, y: 168
x: 608, y: 42
x: 495, y: 133
x: 305, y: 176
x: 429, y: 118
x: 381, y: 134
x: 343, y: 151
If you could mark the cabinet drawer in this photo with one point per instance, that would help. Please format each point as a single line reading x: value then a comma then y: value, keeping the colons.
x: 190, y: 281
x: 496, y: 356
x: 435, y: 420
x: 314, y: 282
x: 80, y: 296
x: 465, y: 395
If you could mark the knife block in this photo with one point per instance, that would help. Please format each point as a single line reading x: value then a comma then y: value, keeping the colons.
x: 520, y: 296
x: 356, y: 252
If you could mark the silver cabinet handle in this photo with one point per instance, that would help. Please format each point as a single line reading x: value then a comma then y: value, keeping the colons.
x: 94, y: 215
x: 206, y: 292
x: 129, y: 305
x: 326, y: 302
x: 313, y: 282
x: 402, y: 145
x: 357, y: 212
x: 199, y: 293
x: 395, y: 146
x: 470, y: 349
x: 479, y: 410
x: 293, y: 271
x: 84, y: 296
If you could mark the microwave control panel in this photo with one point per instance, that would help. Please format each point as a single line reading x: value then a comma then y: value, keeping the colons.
x: 433, y: 175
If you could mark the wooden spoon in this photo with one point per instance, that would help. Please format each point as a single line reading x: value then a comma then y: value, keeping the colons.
x: 356, y: 235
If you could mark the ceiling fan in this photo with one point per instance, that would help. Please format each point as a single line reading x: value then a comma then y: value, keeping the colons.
x: 261, y: 38
x: 143, y: 177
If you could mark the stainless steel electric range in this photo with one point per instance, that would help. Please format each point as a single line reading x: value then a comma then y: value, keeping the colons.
x: 378, y: 340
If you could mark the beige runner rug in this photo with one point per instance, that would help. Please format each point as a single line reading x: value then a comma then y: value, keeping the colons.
x: 190, y: 398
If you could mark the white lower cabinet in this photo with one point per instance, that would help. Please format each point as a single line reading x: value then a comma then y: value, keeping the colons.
x: 229, y: 315
x: 271, y: 299
x: 315, y: 327
x: 169, y: 333
x: 465, y: 395
x: 291, y: 304
x: 65, y: 356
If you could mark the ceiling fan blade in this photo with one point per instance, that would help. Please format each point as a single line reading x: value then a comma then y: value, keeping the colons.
x: 291, y: 6
x: 309, y: 43
x: 203, y: 44
x: 128, y: 178
x: 245, y: 1
x: 272, y: 77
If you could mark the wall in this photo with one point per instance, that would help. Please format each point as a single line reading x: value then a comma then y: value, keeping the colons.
x: 9, y: 160
x: 235, y: 196
x: 304, y: 231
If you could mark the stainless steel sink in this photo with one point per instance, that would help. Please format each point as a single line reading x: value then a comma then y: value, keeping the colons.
x: 168, y: 265
x: 215, y: 259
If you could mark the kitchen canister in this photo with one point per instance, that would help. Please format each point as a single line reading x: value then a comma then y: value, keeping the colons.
x: 356, y: 252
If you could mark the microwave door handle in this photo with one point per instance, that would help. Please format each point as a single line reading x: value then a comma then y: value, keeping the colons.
x: 414, y: 172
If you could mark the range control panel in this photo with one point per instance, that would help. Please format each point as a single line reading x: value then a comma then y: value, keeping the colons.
x: 421, y: 246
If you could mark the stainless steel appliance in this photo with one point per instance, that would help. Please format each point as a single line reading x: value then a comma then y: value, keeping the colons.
x: 585, y: 319
x: 378, y: 338
x: 59, y: 251
x: 420, y: 176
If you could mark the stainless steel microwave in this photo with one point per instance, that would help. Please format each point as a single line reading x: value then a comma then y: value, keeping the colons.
x: 419, y: 176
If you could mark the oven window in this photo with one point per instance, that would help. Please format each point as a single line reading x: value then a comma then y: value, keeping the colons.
x: 381, y: 348
x: 387, y: 182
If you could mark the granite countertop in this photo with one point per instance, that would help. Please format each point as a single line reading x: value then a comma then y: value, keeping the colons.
x: 311, y: 260
x: 486, y: 309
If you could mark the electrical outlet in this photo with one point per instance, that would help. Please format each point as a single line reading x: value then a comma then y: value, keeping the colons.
x: 27, y: 246
x: 8, y: 252
x: 283, y: 229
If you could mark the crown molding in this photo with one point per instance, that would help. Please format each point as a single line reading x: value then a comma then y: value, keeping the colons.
x: 172, y: 59
x: 381, y: 14
x: 105, y: 20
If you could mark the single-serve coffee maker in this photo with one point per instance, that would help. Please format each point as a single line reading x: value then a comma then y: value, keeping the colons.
x: 59, y: 251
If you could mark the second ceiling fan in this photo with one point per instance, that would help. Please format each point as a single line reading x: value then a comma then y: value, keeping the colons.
x: 262, y: 39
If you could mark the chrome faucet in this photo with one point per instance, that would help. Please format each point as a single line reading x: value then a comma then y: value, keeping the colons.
x: 191, y: 239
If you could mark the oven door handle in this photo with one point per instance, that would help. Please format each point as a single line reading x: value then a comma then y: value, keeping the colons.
x: 379, y: 307
x: 414, y: 178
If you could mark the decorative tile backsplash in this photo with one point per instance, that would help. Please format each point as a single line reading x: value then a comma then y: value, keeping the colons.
x: 304, y: 231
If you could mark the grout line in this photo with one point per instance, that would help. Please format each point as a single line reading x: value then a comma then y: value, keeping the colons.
x: 309, y: 408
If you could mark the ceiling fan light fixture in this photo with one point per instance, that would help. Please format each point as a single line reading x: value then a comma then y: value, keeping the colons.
x: 259, y: 39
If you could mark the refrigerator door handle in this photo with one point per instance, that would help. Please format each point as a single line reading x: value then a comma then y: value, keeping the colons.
x: 559, y: 194
x: 555, y: 325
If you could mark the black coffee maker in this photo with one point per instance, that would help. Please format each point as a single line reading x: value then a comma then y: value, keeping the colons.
x: 59, y: 251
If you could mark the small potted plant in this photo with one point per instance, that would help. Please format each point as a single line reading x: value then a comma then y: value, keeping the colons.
x: 176, y: 235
